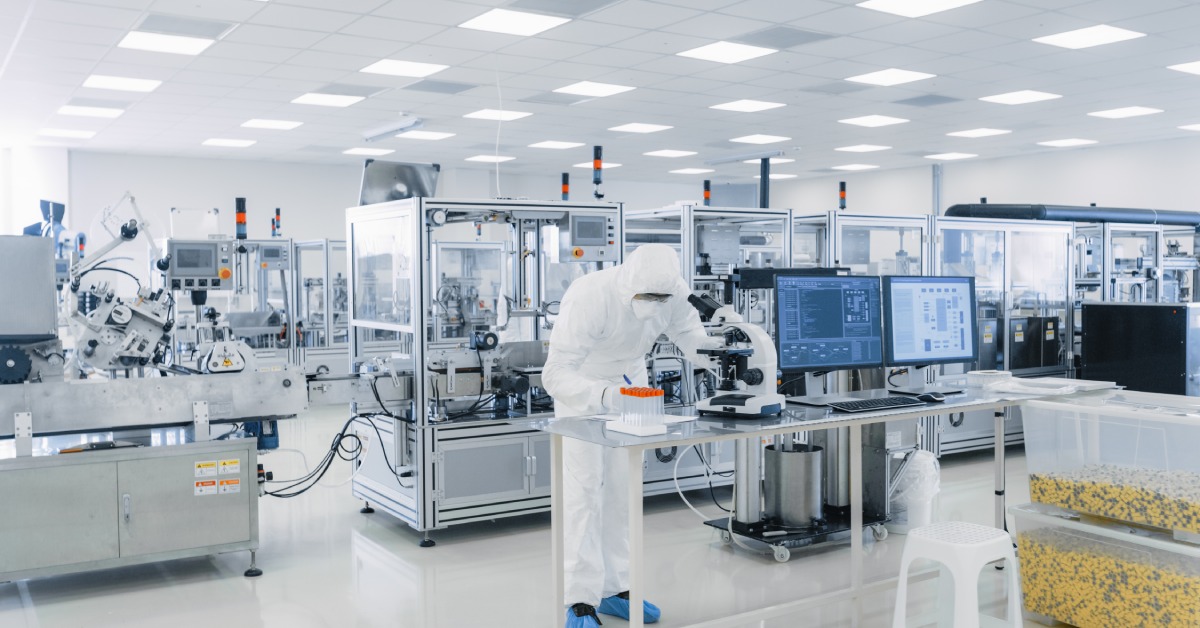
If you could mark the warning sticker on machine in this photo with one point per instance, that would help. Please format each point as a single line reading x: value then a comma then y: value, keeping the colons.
x: 1049, y: 334
x: 1019, y: 337
x: 206, y: 487
x: 231, y: 467
x: 206, y: 468
x: 231, y: 486
x: 987, y: 339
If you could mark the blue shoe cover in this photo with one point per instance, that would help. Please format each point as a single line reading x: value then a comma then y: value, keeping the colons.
x: 618, y: 605
x: 582, y: 616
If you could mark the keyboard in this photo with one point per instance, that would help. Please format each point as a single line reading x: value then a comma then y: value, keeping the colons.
x: 869, y: 405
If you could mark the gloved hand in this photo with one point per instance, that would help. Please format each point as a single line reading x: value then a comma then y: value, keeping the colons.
x: 611, y: 399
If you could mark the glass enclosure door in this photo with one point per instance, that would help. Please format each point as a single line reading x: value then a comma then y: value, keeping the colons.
x: 1135, y: 260
x: 880, y: 245
x: 810, y: 242
x: 384, y: 250
x: 979, y: 252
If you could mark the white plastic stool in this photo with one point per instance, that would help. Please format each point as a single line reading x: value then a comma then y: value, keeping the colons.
x: 963, y: 549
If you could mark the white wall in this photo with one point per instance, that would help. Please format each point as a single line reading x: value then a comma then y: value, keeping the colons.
x: 1155, y: 175
x: 27, y: 176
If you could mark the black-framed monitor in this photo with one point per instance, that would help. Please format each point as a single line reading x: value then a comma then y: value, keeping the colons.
x: 828, y: 323
x: 929, y: 320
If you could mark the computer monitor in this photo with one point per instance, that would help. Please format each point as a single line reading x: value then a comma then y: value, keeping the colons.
x: 929, y: 320
x: 827, y: 323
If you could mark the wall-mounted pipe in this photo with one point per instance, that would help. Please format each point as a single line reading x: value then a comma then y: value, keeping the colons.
x: 1077, y: 214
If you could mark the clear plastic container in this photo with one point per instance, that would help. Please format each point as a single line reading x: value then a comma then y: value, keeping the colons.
x: 1126, y: 456
x: 1104, y: 575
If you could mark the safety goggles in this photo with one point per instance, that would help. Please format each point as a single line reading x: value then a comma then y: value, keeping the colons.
x: 652, y: 296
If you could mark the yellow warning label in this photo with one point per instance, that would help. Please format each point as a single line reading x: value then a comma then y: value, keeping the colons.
x: 231, y: 486
x: 206, y: 468
x: 206, y: 487
x: 1019, y: 337
x: 1049, y: 334
x: 231, y: 467
x: 987, y: 339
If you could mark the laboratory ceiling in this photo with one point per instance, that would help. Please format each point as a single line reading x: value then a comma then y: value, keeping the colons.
x: 770, y: 71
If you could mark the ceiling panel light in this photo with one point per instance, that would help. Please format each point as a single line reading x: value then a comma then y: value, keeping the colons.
x: 368, y: 152
x: 950, y: 156
x: 497, y: 114
x: 890, y: 77
x: 779, y: 175
x: 774, y: 161
x: 491, y: 159
x: 596, y: 90
x: 1125, y: 112
x: 121, y: 83
x: 670, y: 153
x: 914, y: 8
x: 760, y: 139
x: 692, y: 171
x: 278, y: 125
x: 424, y: 135
x: 90, y: 112
x: 873, y: 121
x: 1191, y: 127
x: 863, y: 148
x: 327, y: 100
x: 980, y: 132
x: 228, y: 143
x: 1090, y: 36
x: 513, y: 22
x: 68, y: 133
x: 640, y: 127
x: 605, y: 165
x: 1190, y: 68
x: 1068, y: 143
x: 727, y: 52
x: 159, y: 42
x: 853, y: 167
x: 395, y: 67
x: 748, y: 106
x: 556, y: 145
x: 1022, y: 97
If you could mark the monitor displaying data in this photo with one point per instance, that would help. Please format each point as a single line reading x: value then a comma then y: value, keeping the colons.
x: 929, y: 320
x: 828, y: 323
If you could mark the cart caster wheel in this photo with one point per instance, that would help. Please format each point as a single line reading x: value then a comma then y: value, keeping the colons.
x: 782, y: 554
x: 726, y: 537
x: 879, y: 532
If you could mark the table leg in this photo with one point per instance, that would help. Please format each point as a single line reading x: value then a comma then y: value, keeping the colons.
x: 856, y: 512
x: 556, y: 524
x: 637, y: 579
x: 998, y: 454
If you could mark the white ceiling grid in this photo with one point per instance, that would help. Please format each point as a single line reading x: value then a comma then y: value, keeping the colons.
x: 281, y: 49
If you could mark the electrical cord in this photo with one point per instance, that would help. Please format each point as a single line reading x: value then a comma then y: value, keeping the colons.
x: 113, y: 270
x: 895, y: 373
x: 346, y: 446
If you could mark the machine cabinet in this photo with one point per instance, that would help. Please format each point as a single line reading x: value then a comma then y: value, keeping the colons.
x: 127, y: 506
x: 480, y: 470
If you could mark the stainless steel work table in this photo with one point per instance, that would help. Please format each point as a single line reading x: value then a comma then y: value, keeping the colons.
x: 794, y: 419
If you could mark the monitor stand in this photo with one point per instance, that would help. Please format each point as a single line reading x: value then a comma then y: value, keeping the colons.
x: 927, y: 388
x: 819, y: 400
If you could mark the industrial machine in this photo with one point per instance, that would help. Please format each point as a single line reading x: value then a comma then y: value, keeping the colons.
x: 1149, y: 347
x: 322, y: 308
x: 460, y: 296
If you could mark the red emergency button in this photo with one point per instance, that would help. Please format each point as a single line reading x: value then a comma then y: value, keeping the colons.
x: 577, y: 252
x: 225, y: 273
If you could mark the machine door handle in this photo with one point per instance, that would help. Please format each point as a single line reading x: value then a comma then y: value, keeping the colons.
x: 533, y: 465
x: 126, y: 505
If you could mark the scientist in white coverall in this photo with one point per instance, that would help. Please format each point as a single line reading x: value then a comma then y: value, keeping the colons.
x: 607, y: 323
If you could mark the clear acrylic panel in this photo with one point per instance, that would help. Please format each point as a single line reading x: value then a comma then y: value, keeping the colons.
x: 468, y: 287
x: 870, y: 250
x: 383, y: 267
x: 808, y: 244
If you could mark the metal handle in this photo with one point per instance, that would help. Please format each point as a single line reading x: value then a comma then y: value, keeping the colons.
x: 126, y: 505
x: 533, y: 459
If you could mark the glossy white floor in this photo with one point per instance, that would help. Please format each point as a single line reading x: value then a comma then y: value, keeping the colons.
x: 326, y: 565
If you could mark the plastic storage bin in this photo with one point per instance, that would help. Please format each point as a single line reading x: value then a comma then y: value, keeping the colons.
x: 1104, y: 575
x: 1126, y: 456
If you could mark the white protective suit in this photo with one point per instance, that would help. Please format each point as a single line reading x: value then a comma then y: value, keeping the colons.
x: 600, y: 336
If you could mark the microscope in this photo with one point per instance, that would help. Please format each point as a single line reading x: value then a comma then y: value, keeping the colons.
x: 747, y: 365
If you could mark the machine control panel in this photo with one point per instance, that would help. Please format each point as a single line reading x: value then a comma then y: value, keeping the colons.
x: 590, y: 238
x: 273, y: 256
x: 200, y: 264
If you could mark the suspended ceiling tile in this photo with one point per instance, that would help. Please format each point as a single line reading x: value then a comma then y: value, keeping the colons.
x: 591, y: 32
x: 390, y: 29
x: 274, y: 36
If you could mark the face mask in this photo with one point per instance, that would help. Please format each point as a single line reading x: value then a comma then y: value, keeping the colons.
x: 645, y: 310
